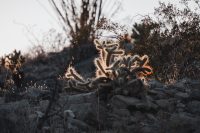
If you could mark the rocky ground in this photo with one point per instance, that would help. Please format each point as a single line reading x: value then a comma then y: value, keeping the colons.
x: 171, y: 108
x: 45, y: 107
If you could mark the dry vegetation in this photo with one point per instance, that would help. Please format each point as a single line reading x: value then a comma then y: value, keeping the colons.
x: 171, y: 39
x: 164, y: 47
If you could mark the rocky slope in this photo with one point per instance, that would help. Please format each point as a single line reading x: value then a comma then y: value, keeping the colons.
x: 171, y: 108
x: 45, y: 107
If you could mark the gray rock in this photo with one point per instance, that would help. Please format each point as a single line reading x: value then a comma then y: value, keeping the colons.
x: 77, y: 125
x: 181, y: 95
x: 69, y: 114
x: 163, y: 103
x: 43, y: 105
x: 92, y: 114
x: 14, y: 117
x: 182, y: 123
x: 195, y: 84
x: 170, y: 92
x: 133, y: 104
x: 151, y: 117
x: 122, y: 102
x: 180, y: 105
x: 121, y: 112
x: 78, y: 98
x: 155, y: 84
x: 147, y: 129
x: 195, y: 94
x: 158, y: 93
x: 145, y: 107
x: 194, y: 107
x: 82, y: 110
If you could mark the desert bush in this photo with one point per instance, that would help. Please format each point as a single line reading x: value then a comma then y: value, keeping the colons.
x: 110, y: 27
x: 51, y: 41
x: 171, y: 39
x: 12, y: 64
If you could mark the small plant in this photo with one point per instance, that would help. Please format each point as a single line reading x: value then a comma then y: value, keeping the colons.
x: 12, y: 63
x: 113, y: 69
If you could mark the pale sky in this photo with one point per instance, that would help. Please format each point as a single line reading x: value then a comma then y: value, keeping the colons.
x: 23, y: 19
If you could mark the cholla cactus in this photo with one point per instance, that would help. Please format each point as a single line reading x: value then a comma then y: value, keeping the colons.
x: 13, y: 63
x: 112, y: 66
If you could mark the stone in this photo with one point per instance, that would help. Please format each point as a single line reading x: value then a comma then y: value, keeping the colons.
x: 121, y: 112
x: 77, y: 125
x: 122, y: 102
x: 195, y: 94
x: 145, y: 107
x: 182, y: 123
x: 13, y: 117
x: 43, y: 104
x: 195, y: 84
x: 69, y: 114
x: 82, y: 98
x: 132, y: 104
x: 155, y: 84
x: 158, y: 94
x: 151, y: 117
x: 92, y: 114
x: 82, y: 110
x: 194, y: 107
x: 182, y: 95
x: 163, y: 103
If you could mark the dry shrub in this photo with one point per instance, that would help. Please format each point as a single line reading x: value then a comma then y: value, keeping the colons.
x: 12, y: 75
x: 171, y: 39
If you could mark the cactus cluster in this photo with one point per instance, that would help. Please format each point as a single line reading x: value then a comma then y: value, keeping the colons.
x: 113, y: 67
x: 13, y: 63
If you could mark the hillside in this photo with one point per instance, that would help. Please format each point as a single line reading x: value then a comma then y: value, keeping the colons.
x: 47, y: 106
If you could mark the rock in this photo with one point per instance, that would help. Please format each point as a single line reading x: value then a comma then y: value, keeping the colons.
x: 122, y: 102
x: 92, y: 114
x: 81, y: 111
x: 151, y: 117
x: 134, y: 88
x: 2, y: 99
x: 195, y: 94
x: 145, y: 107
x: 59, y: 130
x: 46, y: 129
x: 147, y: 129
x: 194, y: 107
x: 69, y: 114
x: 121, y: 112
x: 14, y: 117
x: 182, y: 123
x: 158, y: 93
x: 43, y: 104
x: 39, y: 114
x: 133, y: 104
x: 78, y: 98
x: 77, y: 126
x: 180, y: 105
x: 155, y: 84
x: 163, y: 103
x: 181, y: 95
x: 195, y: 84
x: 170, y: 92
